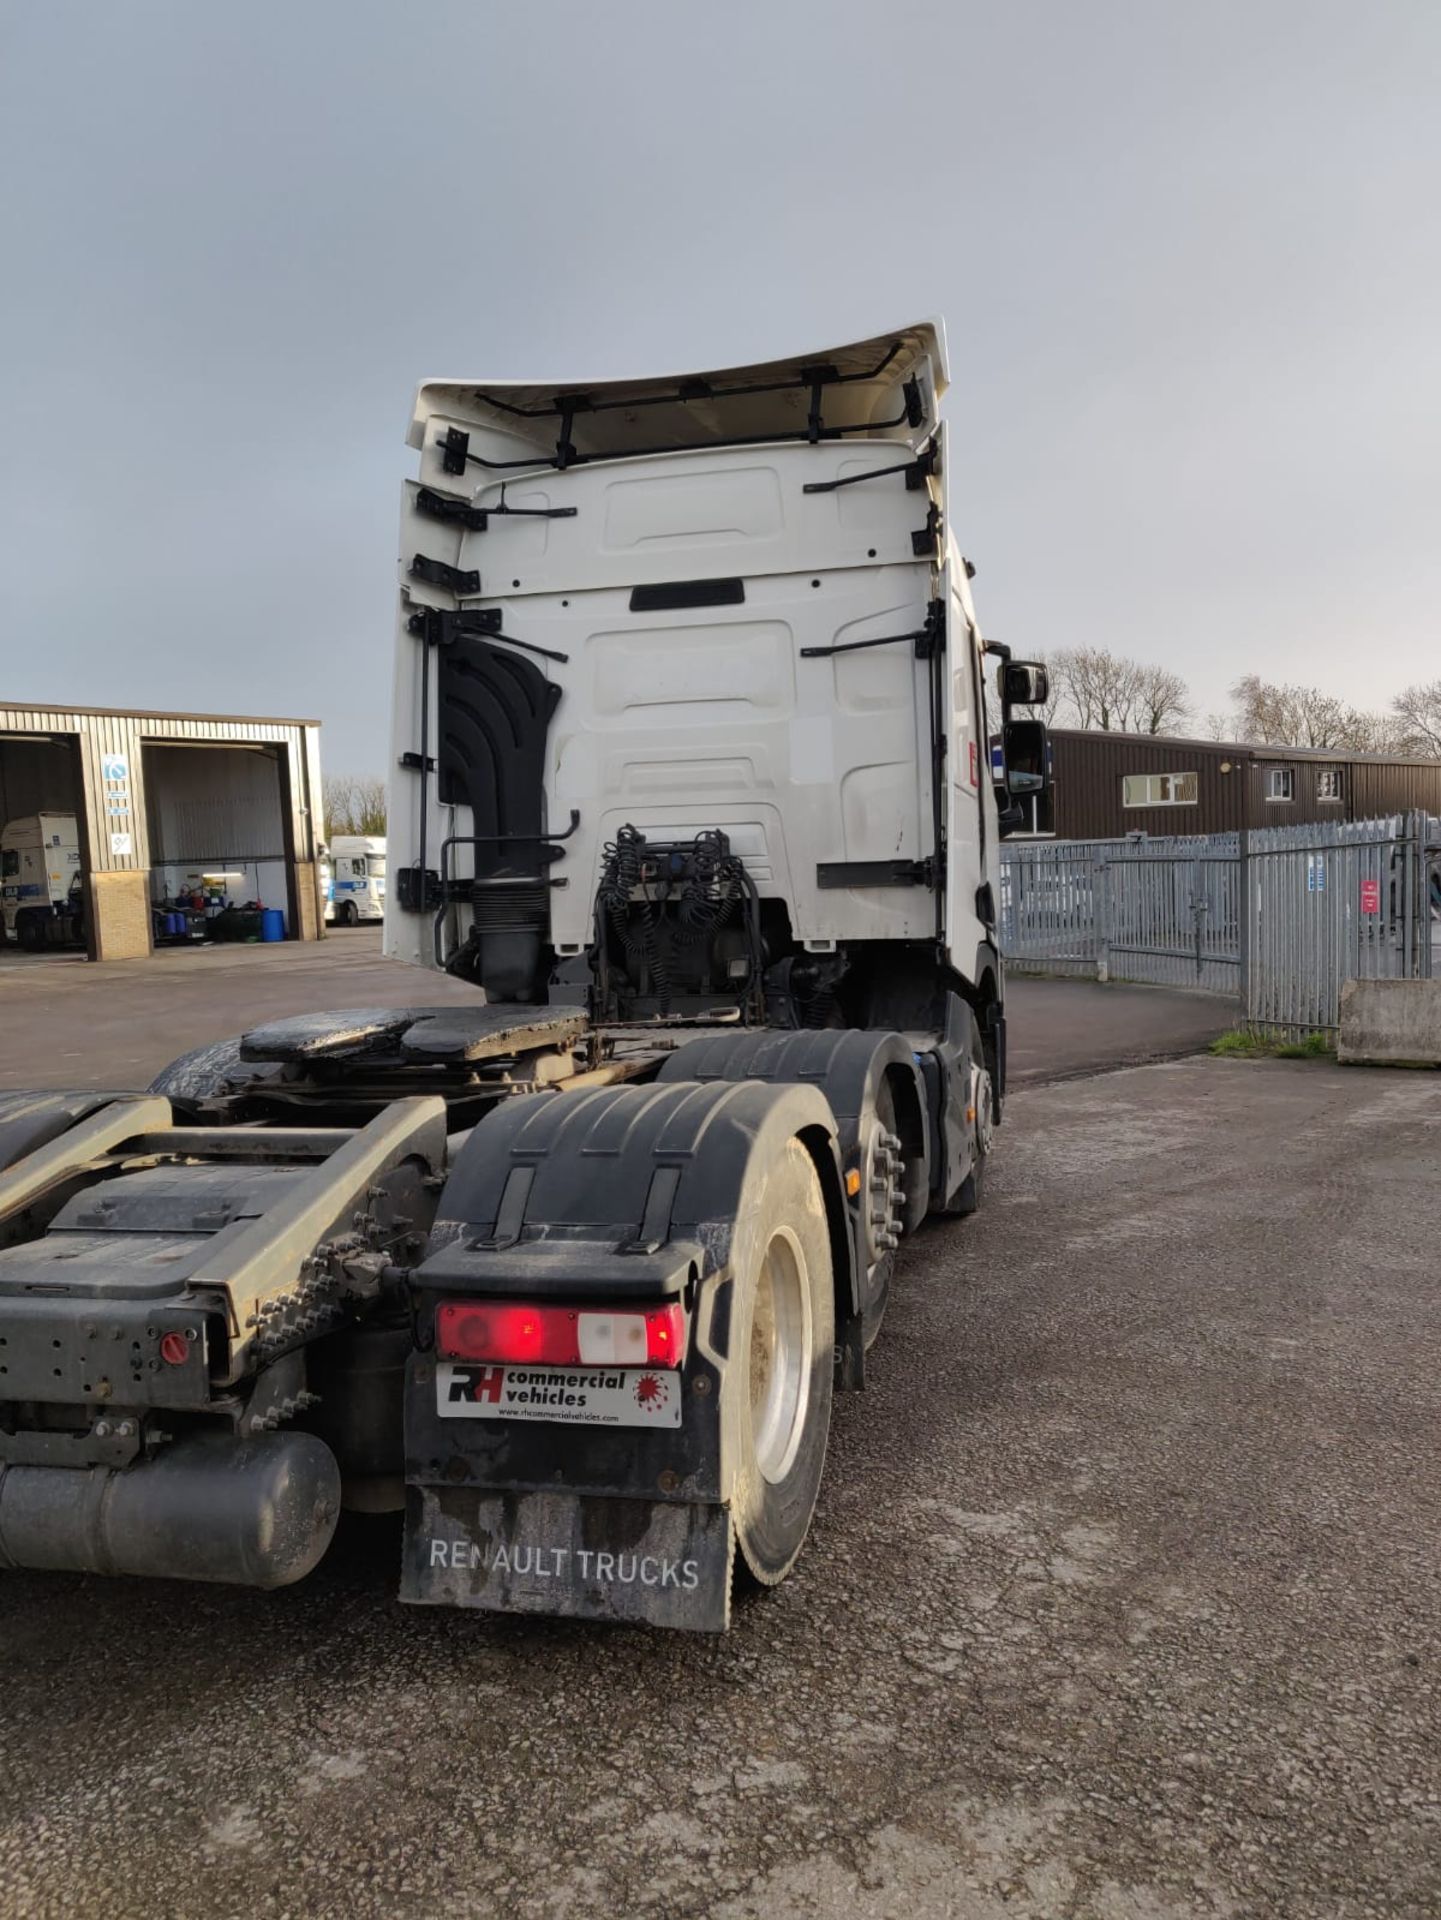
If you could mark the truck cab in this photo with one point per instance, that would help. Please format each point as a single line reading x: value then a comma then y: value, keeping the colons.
x: 650, y: 626
x: 40, y: 879
x: 353, y: 876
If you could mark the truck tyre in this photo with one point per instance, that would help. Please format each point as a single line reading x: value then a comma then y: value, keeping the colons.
x: 29, y: 932
x: 980, y: 1104
x: 779, y: 1380
x: 347, y: 913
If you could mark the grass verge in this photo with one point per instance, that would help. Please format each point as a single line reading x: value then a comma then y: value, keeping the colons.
x: 1241, y: 1044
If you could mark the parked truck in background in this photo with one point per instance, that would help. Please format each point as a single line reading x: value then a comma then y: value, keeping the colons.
x: 353, y: 877
x: 40, y: 880
x: 693, y: 782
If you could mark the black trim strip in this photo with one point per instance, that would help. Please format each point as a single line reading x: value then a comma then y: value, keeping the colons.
x: 668, y: 595
x: 831, y: 875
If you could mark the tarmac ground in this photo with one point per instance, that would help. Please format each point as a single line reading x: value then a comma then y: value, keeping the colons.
x: 1121, y: 1601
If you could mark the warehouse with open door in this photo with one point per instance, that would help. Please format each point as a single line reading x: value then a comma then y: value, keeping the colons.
x: 41, y: 865
x: 164, y: 827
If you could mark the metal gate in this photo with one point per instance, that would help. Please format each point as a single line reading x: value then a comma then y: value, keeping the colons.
x: 1279, y: 918
x: 1331, y: 903
x: 1159, y: 911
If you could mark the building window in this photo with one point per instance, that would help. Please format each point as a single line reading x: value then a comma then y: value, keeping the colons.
x: 1280, y: 783
x: 1160, y: 790
x: 1328, y: 784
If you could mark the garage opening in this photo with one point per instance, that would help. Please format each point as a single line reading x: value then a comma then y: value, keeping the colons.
x: 219, y: 851
x: 42, y: 900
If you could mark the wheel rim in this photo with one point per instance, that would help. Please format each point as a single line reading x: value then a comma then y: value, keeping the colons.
x: 780, y: 1355
x: 883, y: 1171
x: 985, y: 1111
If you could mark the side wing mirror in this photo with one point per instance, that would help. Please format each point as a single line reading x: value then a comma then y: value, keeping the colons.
x: 1026, y: 751
x: 1024, y: 684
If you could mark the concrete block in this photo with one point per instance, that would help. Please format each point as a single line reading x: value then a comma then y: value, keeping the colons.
x: 1390, y: 1022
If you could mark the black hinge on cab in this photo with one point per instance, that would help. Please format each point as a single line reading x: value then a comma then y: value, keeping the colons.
x: 834, y: 874
x: 439, y: 573
x: 443, y: 506
x: 439, y: 628
x: 926, y: 540
x: 447, y: 509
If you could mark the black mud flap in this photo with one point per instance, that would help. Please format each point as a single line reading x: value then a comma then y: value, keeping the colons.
x: 570, y: 1556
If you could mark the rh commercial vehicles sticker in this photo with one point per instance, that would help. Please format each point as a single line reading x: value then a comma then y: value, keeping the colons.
x: 594, y: 1397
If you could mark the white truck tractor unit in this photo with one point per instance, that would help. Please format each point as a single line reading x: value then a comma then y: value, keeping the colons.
x: 39, y: 878
x: 355, y: 879
x: 693, y: 782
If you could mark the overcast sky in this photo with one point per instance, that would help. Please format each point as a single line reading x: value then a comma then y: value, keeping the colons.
x: 1188, y: 256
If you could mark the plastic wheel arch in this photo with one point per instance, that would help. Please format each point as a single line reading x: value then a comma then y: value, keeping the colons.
x: 632, y: 1193
x: 848, y: 1066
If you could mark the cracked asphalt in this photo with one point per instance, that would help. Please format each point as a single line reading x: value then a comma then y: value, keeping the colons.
x: 1121, y: 1602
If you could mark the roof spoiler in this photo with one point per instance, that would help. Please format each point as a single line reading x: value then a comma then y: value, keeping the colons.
x: 886, y: 387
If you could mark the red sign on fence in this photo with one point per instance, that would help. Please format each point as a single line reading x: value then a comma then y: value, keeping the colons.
x: 1370, y: 896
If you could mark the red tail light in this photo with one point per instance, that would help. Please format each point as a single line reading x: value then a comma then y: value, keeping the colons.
x: 561, y: 1336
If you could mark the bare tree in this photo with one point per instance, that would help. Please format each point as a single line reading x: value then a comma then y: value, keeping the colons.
x: 1418, y: 719
x: 1163, y: 702
x: 1283, y: 715
x: 1105, y: 692
x: 354, y: 803
x: 338, y: 800
x: 370, y: 803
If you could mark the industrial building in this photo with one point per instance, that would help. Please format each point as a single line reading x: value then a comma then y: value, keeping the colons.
x: 1108, y: 785
x: 160, y: 799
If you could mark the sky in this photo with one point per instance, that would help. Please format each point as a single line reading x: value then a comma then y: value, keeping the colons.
x: 1188, y: 257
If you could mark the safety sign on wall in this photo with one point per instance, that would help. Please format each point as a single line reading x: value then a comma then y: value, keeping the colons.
x: 1370, y: 896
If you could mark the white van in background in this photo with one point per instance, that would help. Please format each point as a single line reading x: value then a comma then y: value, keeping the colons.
x: 39, y: 869
x: 354, y: 879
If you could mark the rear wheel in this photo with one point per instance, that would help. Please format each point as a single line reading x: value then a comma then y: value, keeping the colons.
x: 781, y: 1361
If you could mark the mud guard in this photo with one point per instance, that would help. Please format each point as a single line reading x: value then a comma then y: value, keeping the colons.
x: 847, y: 1064
x: 945, y: 1067
x: 626, y: 1194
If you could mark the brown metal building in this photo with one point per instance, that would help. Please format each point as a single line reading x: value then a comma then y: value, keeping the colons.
x: 1111, y: 784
